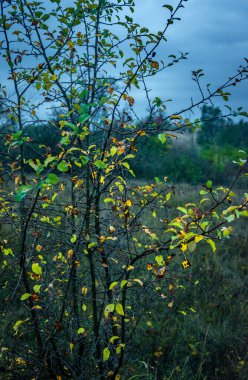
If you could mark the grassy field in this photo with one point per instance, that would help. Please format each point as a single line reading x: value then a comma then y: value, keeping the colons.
x: 203, y: 335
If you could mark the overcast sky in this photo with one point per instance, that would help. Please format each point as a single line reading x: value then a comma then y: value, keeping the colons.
x: 215, y: 34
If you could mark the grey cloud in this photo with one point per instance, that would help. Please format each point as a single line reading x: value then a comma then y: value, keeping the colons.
x: 216, y: 36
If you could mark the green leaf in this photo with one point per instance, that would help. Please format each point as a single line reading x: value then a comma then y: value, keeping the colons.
x: 123, y: 283
x: 83, y: 118
x: 48, y: 160
x: 182, y: 209
x: 119, y: 309
x: 83, y: 94
x: 162, y: 138
x: 126, y: 165
x: 84, y: 160
x: 160, y: 260
x: 113, y: 338
x: 108, y: 200
x: 209, y: 185
x: 17, y: 324
x: 36, y: 165
x: 37, y: 288
x: 63, y: 166
x: 244, y: 114
x: 80, y: 330
x: 100, y: 164
x: 65, y: 140
x: 8, y: 251
x: 52, y: 179
x: 23, y: 191
x: 73, y: 126
x: 73, y: 238
x: 45, y: 17
x: 113, y: 284
x: 192, y: 246
x: 109, y: 309
x: 182, y: 312
x: 36, y: 268
x: 25, y: 296
x: 170, y: 7
x: 16, y: 136
x: 105, y: 354
x: 93, y: 244
x: 230, y: 218
x: 113, y: 151
x: 84, y: 109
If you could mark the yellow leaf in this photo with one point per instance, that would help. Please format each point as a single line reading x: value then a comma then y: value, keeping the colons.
x: 212, y: 244
x: 176, y: 117
x: 70, y: 253
x: 128, y: 203
x: 158, y: 354
x: 186, y: 264
x: 84, y: 290
x: 20, y: 361
x: 37, y: 307
x: 198, y: 238
x: 139, y: 281
x: 184, y: 247
x: 130, y: 267
x: 111, y: 229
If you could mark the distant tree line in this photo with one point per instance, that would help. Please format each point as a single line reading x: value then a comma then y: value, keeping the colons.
x: 195, y: 156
